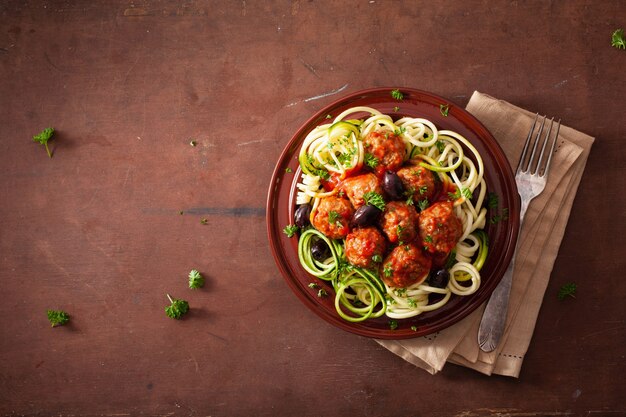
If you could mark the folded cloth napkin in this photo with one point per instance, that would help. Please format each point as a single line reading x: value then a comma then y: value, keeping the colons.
x: 540, y: 238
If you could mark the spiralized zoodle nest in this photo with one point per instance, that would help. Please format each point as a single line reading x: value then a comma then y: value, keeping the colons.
x: 334, y: 151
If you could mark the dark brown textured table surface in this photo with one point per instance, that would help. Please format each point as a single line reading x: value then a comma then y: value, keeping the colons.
x: 96, y: 230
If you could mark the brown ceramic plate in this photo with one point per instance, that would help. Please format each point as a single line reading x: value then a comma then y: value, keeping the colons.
x: 499, y: 178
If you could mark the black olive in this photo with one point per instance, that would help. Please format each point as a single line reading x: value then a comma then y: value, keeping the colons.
x: 320, y: 250
x: 302, y: 215
x: 439, y: 278
x: 392, y: 185
x: 365, y: 215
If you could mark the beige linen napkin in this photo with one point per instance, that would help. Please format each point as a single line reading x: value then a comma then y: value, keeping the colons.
x: 541, y: 235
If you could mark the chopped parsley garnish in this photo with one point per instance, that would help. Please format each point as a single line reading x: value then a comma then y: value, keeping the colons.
x: 492, y: 200
x: 290, y: 230
x: 428, y: 239
x: 412, y: 303
x: 370, y: 160
x: 322, y: 293
x: 396, y: 109
x: 204, y: 221
x: 387, y: 271
x: 504, y: 215
x: 467, y: 193
x: 400, y: 130
x: 313, y: 285
x: 423, y: 204
x: 444, y: 109
x: 440, y: 145
x: 374, y: 199
x: 568, y: 289
x: 58, y: 317
x: 423, y: 189
x: 43, y: 137
x: 377, y: 258
x: 333, y: 217
x: 393, y: 324
x: 397, y: 94
x: 328, y: 116
x: 287, y: 170
x: 617, y: 40
x: 414, y: 328
x: 451, y: 259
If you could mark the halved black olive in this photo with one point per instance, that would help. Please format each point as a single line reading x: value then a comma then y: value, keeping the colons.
x: 320, y: 250
x: 392, y: 185
x: 365, y: 216
x: 302, y: 215
x: 439, y: 278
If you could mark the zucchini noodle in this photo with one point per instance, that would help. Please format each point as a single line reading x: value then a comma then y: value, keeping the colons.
x: 335, y: 151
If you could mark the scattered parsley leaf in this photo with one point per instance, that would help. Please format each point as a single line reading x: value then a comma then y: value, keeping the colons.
x: 440, y: 146
x: 290, y: 230
x: 393, y: 324
x: 396, y: 109
x: 397, y: 94
x: 177, y: 308
x: 196, y: 280
x: 193, y: 143
x: 568, y: 289
x: 43, y: 137
x: 423, y: 204
x: 287, y: 170
x: 399, y: 130
x: 204, y: 221
x: 313, y: 285
x: 387, y: 271
x: 377, y: 258
x: 322, y: 293
x: 467, y: 193
x: 617, y: 40
x: 444, y: 109
x: 58, y: 317
x: 428, y: 239
x: 370, y: 160
x: 328, y: 116
x: 492, y: 200
x: 423, y: 189
x: 374, y: 199
x: 333, y: 217
x: 504, y: 215
x: 414, y: 328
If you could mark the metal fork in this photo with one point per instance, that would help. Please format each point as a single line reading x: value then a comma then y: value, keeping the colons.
x: 530, y: 177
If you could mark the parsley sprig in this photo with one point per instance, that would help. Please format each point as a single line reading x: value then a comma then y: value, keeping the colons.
x: 374, y: 199
x: 397, y: 94
x: 568, y: 289
x: 58, y: 317
x: 177, y: 309
x: 196, y: 280
x: 290, y: 230
x: 43, y: 137
x: 618, y: 40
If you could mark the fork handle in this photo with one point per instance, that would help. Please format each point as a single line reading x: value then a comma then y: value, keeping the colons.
x: 492, y: 324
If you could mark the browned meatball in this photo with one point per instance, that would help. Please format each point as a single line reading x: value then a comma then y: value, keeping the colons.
x: 406, y: 265
x: 439, y: 228
x: 418, y: 180
x: 388, y: 149
x: 365, y: 247
x: 399, y: 222
x: 332, y: 217
x: 356, y: 187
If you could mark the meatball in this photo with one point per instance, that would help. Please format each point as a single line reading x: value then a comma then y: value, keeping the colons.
x: 356, y: 187
x: 399, y: 222
x: 418, y: 180
x: 439, y: 228
x: 332, y: 217
x: 388, y: 149
x: 406, y: 265
x: 365, y: 246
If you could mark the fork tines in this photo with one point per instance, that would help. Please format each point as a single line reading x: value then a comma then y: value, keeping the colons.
x: 539, y: 166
